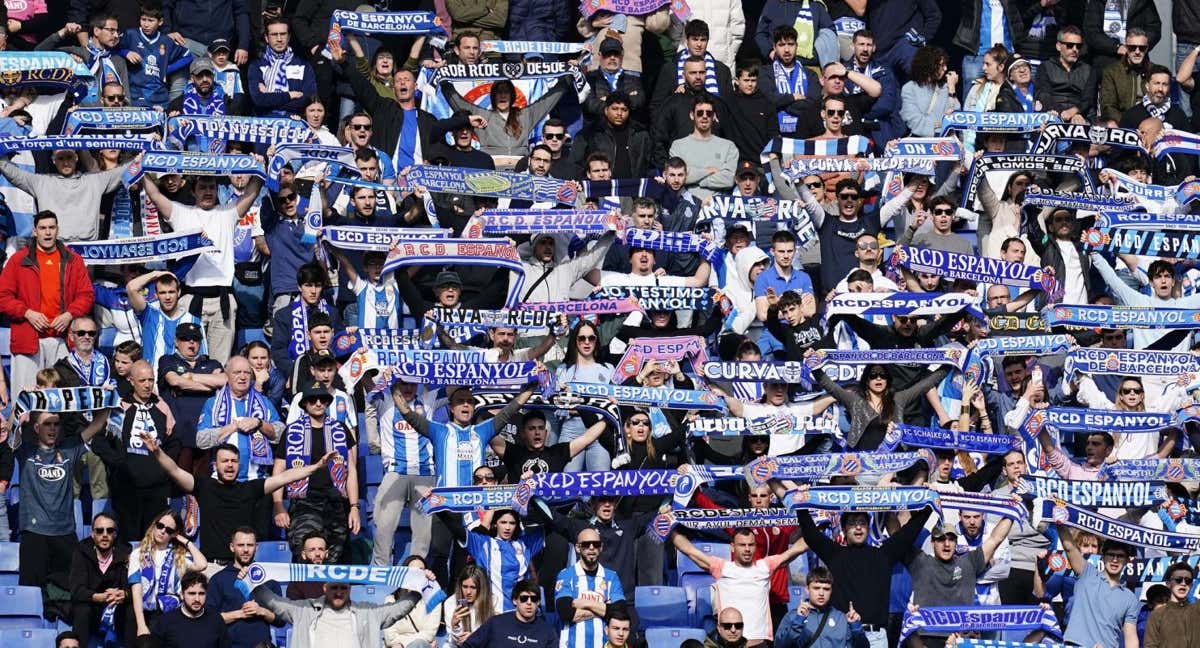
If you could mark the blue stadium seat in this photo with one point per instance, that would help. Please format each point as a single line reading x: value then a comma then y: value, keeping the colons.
x: 716, y: 549
x: 273, y: 551
x: 672, y: 637
x: 21, y: 607
x: 699, y: 596
x: 374, y: 470
x: 661, y: 607
x: 369, y: 593
x: 10, y: 561
x: 31, y: 637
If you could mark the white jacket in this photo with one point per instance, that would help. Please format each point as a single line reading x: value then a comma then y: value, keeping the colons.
x: 726, y: 26
x: 740, y: 289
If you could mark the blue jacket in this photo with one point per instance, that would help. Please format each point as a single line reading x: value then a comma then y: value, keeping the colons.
x: 206, y: 20
x: 539, y: 20
x: 300, y: 76
x: 795, y: 631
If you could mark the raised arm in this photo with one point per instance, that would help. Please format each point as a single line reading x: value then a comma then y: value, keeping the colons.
x: 160, y: 201
x: 275, y: 482
x: 995, y: 538
x: 1074, y: 555
x: 688, y: 549
x: 248, y: 198
x: 185, y: 480
x: 580, y: 443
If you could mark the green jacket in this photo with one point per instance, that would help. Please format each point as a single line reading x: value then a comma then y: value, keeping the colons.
x: 1120, y: 89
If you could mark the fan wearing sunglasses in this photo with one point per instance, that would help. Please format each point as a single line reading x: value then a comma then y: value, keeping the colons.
x: 1065, y: 85
x: 587, y: 591
x: 517, y: 629
x: 100, y: 587
x: 1174, y: 624
x: 1119, y: 82
x: 939, y: 237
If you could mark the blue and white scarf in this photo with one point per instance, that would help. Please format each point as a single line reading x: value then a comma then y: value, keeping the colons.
x: 493, y: 184
x: 93, y: 374
x: 255, y: 445
x: 1076, y: 420
x: 1147, y: 221
x: 254, y: 130
x: 736, y: 426
x: 1076, y: 201
x: 949, y: 356
x: 117, y: 121
x: 379, y: 239
x: 485, y: 374
x: 530, y: 47
x: 1059, y: 512
x: 511, y: 71
x: 863, y: 498
x: 529, y: 221
x: 16, y: 144
x: 1111, y: 317
x: 978, y: 365
x: 298, y: 343
x: 65, y: 399
x: 1052, y: 134
x: 996, y: 122
x: 776, y: 372
x: 399, y: 23
x: 788, y: 148
x: 192, y: 164
x: 158, y: 596
x: 1167, y: 470
x: 953, y: 265
x: 683, y: 242
x: 947, y: 620
x: 941, y: 439
x: 659, y: 298
x: 1126, y: 362
x: 680, y: 484
x: 476, y: 252
x: 703, y: 519
x: 1022, y: 161
x: 1093, y: 494
x: 938, y: 149
x: 102, y: 69
x: 663, y: 397
x: 276, y: 77
x: 194, y: 104
x: 390, y: 577
x: 820, y: 466
x: 298, y: 453
x: 1164, y: 244
x: 902, y: 164
x: 867, y: 305
x: 711, y: 84
x: 467, y: 499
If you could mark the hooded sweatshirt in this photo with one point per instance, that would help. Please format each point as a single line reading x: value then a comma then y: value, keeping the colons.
x: 740, y: 288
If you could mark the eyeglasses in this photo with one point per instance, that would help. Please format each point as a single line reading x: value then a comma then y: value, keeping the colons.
x: 115, y: 97
x: 585, y: 338
x: 1131, y: 390
x: 868, y: 245
x: 484, y: 478
x: 109, y: 29
x: 704, y: 113
x: 829, y: 112
x: 287, y: 197
x: 590, y: 544
x: 943, y: 212
x: 848, y: 196
x: 555, y: 136
x: 84, y: 333
x: 815, y: 184
x: 1071, y: 44
x: 360, y: 127
x: 162, y: 527
x: 737, y: 625
x: 1137, y: 48
x: 1182, y: 580
x: 1115, y: 557
x: 104, y: 530
x: 529, y: 598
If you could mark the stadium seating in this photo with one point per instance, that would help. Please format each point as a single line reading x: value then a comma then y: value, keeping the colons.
x: 369, y: 593
x: 671, y: 637
x: 28, y: 637
x: 374, y: 471
x: 20, y: 607
x: 698, y: 594
x: 715, y: 549
x: 274, y: 551
x: 661, y: 606
x: 796, y: 593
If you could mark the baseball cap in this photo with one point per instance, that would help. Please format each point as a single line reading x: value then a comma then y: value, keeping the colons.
x: 202, y: 64
x: 611, y: 46
x: 943, y: 530
x: 447, y: 278
x: 188, y: 331
x: 746, y: 167
x: 316, y: 390
x: 218, y: 45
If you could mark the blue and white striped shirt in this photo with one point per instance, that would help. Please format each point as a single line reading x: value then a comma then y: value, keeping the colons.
x: 574, y: 582
x: 403, y: 450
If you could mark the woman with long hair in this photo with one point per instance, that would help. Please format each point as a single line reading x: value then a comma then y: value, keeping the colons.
x: 314, y: 116
x: 584, y: 362
x: 469, y: 606
x: 1000, y: 219
x: 1131, y: 396
x: 985, y: 91
x: 508, y: 125
x: 500, y: 547
x: 929, y: 94
x: 419, y: 628
x: 874, y: 402
x: 155, y: 567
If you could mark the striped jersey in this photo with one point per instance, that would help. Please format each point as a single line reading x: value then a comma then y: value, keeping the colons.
x: 158, y: 332
x: 458, y: 451
x: 505, y: 561
x: 574, y: 582
x: 403, y: 450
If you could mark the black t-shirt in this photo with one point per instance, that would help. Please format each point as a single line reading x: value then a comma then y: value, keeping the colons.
x: 320, y: 486
x: 223, y: 508
x: 185, y: 405
x: 518, y: 459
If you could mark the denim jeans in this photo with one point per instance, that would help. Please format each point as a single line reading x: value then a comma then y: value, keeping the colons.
x: 972, y: 68
x: 594, y: 457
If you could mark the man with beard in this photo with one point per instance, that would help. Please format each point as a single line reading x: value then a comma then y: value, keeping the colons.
x: 839, y: 231
x: 672, y: 118
x: 586, y: 592
x: 192, y: 624
x: 789, y: 85
x: 1121, y: 81
x: 531, y: 455
x: 186, y: 379
x: 333, y: 620
x: 248, y: 623
x: 816, y: 122
x: 1155, y: 102
x: 203, y: 96
x: 1066, y: 86
x: 752, y: 114
x: 610, y: 77
x: 626, y: 144
x: 99, y: 579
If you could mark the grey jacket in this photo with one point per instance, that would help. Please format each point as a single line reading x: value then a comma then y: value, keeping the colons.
x: 369, y: 620
x: 494, y: 139
x: 75, y: 200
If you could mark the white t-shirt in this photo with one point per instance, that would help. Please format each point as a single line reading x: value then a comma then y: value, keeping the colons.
x: 747, y: 590
x: 215, y: 267
x: 1074, y: 290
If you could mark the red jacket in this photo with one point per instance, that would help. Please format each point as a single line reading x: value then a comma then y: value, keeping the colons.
x: 767, y: 542
x: 21, y: 290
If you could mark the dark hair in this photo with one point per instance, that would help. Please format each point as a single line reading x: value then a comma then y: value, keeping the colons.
x: 616, y: 613
x: 695, y: 27
x: 244, y: 529
x: 1008, y: 191
x: 695, y: 59
x: 496, y: 517
x: 1009, y: 241
x: 782, y: 33
x: 642, y: 202
x: 924, y: 67
x: 227, y: 447
x: 617, y: 97
x: 1069, y: 29
x: 532, y: 415
x: 1179, y: 566
x: 788, y: 298
x: 847, y: 183
x: 889, y: 393
x: 319, y: 319
x: 313, y: 534
x: 193, y: 578
x: 102, y: 514
x: 1115, y: 545
x: 66, y: 634
x: 838, y: 98
x: 374, y: 256
x: 1000, y: 55
x: 1157, y: 593
x: 129, y: 348
x: 703, y: 98
x: 858, y: 274
x: 1010, y: 360
x: 598, y: 156
x: 863, y: 33
x: 150, y: 10
x: 99, y: 19
x: 524, y: 586
x: 365, y: 154
x: 1157, y: 69
x: 744, y: 531
x: 512, y: 125
x: 1106, y: 436
x: 675, y: 162
x: 1160, y: 266
x: 459, y: 35
x: 275, y: 20
x: 166, y: 280
x: 43, y: 215
x: 312, y: 273
x: 941, y: 200
x: 749, y: 66
x: 783, y: 236
x: 554, y: 122
x: 572, y: 355
x: 819, y: 574
x: 254, y: 344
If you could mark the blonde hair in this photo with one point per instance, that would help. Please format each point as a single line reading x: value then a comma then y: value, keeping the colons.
x: 147, y: 544
x: 483, y: 588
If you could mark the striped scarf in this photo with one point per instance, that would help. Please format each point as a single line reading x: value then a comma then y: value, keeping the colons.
x: 277, y: 63
x: 710, y: 72
x: 788, y: 148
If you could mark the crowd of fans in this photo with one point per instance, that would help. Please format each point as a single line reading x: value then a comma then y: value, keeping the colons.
x: 241, y: 417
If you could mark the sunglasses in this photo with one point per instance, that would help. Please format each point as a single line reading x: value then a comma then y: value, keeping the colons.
x: 555, y: 136
x: 737, y: 625
x: 484, y: 478
x: 590, y: 544
x: 869, y: 245
x: 829, y: 112
x: 288, y: 197
x: 640, y: 422
x: 877, y: 375
x: 1131, y: 390
x: 705, y: 113
x: 848, y: 196
x: 1071, y: 44
x: 585, y: 338
x: 84, y: 333
x: 529, y: 598
x: 814, y: 185
x: 104, y: 530
x: 115, y: 97
x: 1182, y: 580
x: 162, y: 527
x: 943, y: 212
x: 360, y: 126
x: 1137, y: 48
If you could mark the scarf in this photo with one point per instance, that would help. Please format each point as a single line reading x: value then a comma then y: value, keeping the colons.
x: 805, y: 25
x: 643, y: 349
x: 788, y: 148
x: 1121, y: 317
x: 255, y: 445
x: 737, y: 426
x: 484, y: 374
x: 718, y: 520
x: 390, y: 577
x: 774, y: 372
x: 995, y: 122
x: 662, y: 397
x: 808, y: 166
x: 819, y: 466
x: 530, y: 221
x: 867, y: 305
x: 194, y: 104
x: 586, y: 307
x: 479, y: 252
x: 1075, y: 420
x: 381, y: 22
x: 945, y: 620
x: 467, y: 499
x: 1014, y: 345
x: 951, y: 356
x: 65, y: 399
x: 530, y: 47
x: 1024, y: 97
x: 158, y: 596
x: 252, y: 130
x: 711, y: 85
x: 939, y: 149
x: 680, y: 484
x: 863, y: 498
x: 16, y: 144
x: 1169, y: 470
x: 1017, y: 161
x: 1059, y: 512
x: 1093, y: 494
x: 1113, y: 219
x: 1052, y: 134
x: 95, y: 373
x: 298, y: 453
x: 1077, y: 201
x: 114, y: 121
x: 1124, y: 362
x: 659, y: 298
x: 276, y: 76
x: 299, y: 343
x: 143, y: 249
x: 512, y: 71
x: 938, y: 438
x: 679, y: 8
x: 1156, y: 111
x: 192, y: 164
x: 103, y: 70
x: 1162, y: 243
x: 953, y: 265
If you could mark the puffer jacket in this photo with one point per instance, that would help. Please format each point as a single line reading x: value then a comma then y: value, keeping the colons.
x: 726, y: 26
x: 539, y: 20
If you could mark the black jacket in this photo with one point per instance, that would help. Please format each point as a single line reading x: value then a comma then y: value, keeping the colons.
x: 389, y: 117
x: 85, y: 578
x: 601, y: 138
x: 1047, y: 250
x: 1185, y: 20
x: 1102, y: 48
x: 1059, y: 89
x: 669, y: 74
x: 672, y: 120
x: 750, y: 123
x: 630, y: 84
x: 967, y: 35
x: 310, y: 20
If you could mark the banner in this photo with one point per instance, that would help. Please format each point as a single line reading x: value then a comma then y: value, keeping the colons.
x: 820, y: 466
x: 91, y: 121
x: 1117, y: 219
x: 1093, y: 494
x: 1163, y: 243
x: 1076, y: 200
x: 55, y: 72
x: 530, y: 221
x: 679, y: 8
x: 389, y: 577
x: 952, y: 265
x: 65, y: 399
x: 764, y: 372
x: 819, y: 165
x: 703, y: 519
x: 398, y: 23
x: 1154, y: 469
x: 486, y: 374
x: 622, y: 483
x: 482, y: 252
x: 1125, y: 362
x: 254, y: 130
x: 192, y: 164
x: 938, y: 149
x: 662, y: 397
x: 659, y: 298
x: 586, y: 307
x: 510, y: 71
x: 1112, y: 317
x: 86, y: 142
x: 996, y: 122
x: 943, y: 439
x: 1060, y: 512
x: 1022, y: 162
x: 867, y: 305
x: 947, y: 620
x: 641, y: 350
x: 143, y: 249
x: 378, y: 239
x: 1052, y: 134
x: 1075, y: 420
x: 494, y: 184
